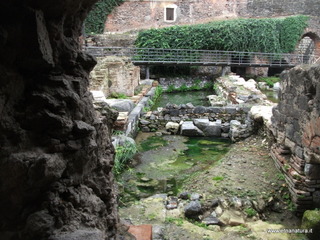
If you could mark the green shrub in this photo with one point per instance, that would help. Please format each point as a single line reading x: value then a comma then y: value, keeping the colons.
x: 122, y: 156
x: 170, y: 89
x: 118, y: 95
x: 278, y: 35
x: 96, y: 18
x: 250, y: 212
x: 183, y: 88
x: 270, y: 81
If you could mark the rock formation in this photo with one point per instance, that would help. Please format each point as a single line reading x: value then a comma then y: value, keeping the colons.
x: 55, y: 152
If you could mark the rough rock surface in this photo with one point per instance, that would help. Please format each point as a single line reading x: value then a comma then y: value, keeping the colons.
x: 121, y: 105
x: 55, y: 151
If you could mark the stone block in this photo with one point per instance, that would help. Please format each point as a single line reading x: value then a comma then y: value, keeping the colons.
x: 299, y: 152
x: 312, y: 171
x: 189, y: 129
x: 290, y: 131
x: 172, y: 127
x: 121, y: 105
x: 212, y: 130
x: 201, y: 123
x: 290, y: 144
x: 231, y: 110
x: 174, y: 112
x: 199, y: 110
x: 214, y: 110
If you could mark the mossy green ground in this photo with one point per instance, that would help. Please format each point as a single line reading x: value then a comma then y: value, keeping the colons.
x: 245, y: 171
x: 166, y: 162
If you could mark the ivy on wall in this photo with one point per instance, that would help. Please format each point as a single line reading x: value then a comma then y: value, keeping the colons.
x: 278, y: 35
x: 96, y: 18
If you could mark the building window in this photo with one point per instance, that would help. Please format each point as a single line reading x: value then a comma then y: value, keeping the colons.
x: 170, y: 13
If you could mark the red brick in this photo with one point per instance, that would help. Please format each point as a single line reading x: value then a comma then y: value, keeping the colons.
x: 141, y: 232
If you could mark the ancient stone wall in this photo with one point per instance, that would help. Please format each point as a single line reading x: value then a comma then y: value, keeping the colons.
x: 55, y: 151
x: 151, y: 14
x: 231, y: 121
x: 115, y: 75
x: 296, y: 127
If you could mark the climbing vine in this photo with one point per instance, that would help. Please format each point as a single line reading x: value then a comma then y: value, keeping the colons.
x: 251, y: 35
x: 96, y: 18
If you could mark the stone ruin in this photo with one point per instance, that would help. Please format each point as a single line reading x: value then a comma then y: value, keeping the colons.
x: 296, y: 128
x: 115, y: 75
x: 56, y: 153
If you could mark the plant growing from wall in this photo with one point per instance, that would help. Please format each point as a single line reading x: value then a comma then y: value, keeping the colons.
x: 96, y: 18
x: 277, y: 35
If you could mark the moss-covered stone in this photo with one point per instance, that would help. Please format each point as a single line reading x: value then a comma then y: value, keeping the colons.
x: 311, y: 220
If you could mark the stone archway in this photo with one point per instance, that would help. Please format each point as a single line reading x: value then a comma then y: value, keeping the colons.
x: 309, y: 44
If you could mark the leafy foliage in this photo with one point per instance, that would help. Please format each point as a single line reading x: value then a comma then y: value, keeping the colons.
x: 250, y: 212
x: 123, y: 155
x: 269, y: 80
x: 184, y: 88
x: 96, y: 18
x: 278, y: 35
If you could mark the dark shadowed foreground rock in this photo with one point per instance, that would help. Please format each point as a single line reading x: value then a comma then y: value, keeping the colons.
x: 55, y: 151
x: 193, y: 210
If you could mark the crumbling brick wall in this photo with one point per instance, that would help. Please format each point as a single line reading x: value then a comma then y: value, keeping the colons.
x: 296, y: 127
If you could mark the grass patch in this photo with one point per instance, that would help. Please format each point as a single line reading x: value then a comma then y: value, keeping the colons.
x: 118, y: 96
x: 123, y: 154
x: 250, y: 212
x: 270, y: 81
x: 218, y: 178
x: 177, y: 221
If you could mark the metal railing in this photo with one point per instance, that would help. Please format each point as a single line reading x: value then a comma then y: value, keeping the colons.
x: 157, y: 56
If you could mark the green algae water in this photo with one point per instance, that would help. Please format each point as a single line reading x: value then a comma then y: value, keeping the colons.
x: 197, y: 98
x: 271, y: 95
x: 165, y: 162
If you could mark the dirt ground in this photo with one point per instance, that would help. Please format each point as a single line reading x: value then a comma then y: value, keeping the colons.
x: 246, y: 172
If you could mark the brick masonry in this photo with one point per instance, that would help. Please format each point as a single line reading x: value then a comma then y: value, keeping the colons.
x: 296, y: 127
x: 115, y: 75
x: 145, y: 14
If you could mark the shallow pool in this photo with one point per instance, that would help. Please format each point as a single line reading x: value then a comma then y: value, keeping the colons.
x: 165, y: 162
x: 197, y: 98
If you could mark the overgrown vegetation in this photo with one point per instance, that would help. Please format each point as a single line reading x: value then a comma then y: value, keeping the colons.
x: 96, y: 18
x: 155, y: 97
x: 194, y: 87
x: 250, y: 212
x: 270, y: 81
x: 123, y: 155
x: 278, y: 35
x: 118, y: 95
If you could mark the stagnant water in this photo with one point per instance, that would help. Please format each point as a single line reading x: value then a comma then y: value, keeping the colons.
x: 165, y: 162
x: 271, y: 95
x: 197, y: 98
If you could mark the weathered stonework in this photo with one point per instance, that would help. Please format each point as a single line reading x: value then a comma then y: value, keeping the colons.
x: 232, y: 121
x: 56, y: 153
x: 296, y: 127
x: 115, y: 75
x: 151, y: 14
